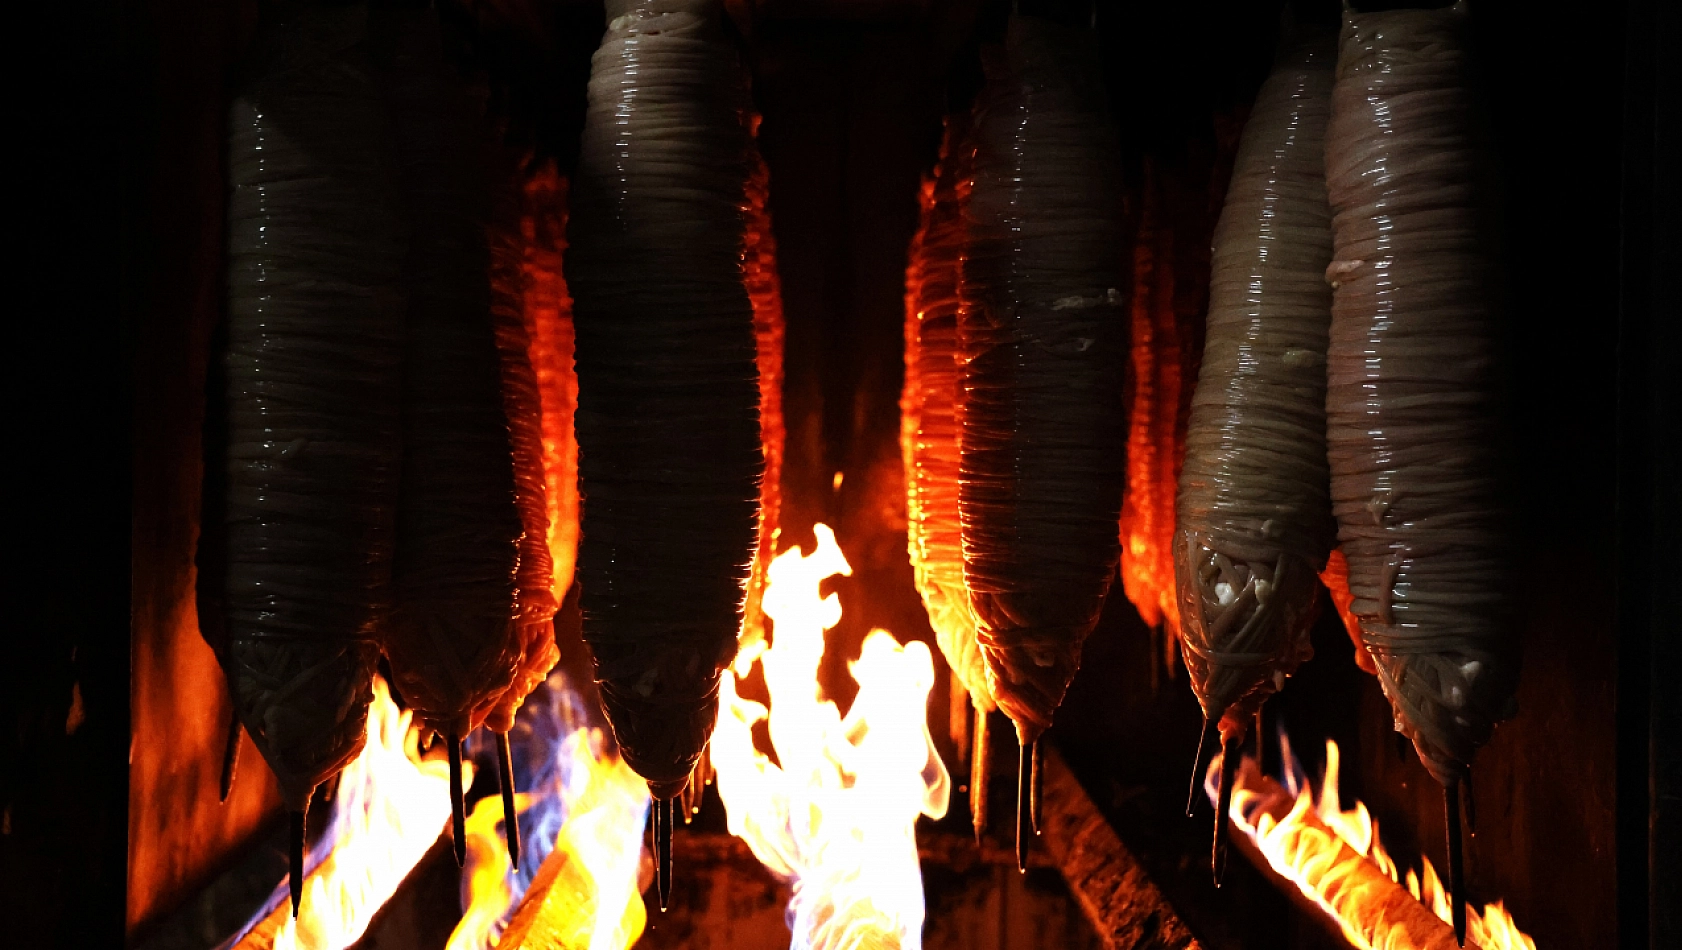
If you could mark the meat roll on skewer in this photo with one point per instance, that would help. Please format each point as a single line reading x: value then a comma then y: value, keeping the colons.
x: 316, y: 247
x: 1042, y: 334
x: 930, y: 409
x: 1254, y: 511
x: 1413, y: 407
x: 668, y: 415
x: 452, y: 641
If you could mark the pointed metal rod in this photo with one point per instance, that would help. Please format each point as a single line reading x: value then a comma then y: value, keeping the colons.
x: 510, y: 815
x: 230, y: 755
x: 1261, y: 739
x: 1035, y: 786
x: 458, y: 807
x: 1230, y: 743
x: 663, y: 850
x: 295, y: 858
x: 1196, y: 767
x: 979, y: 777
x: 1024, y: 802
x: 1456, y: 871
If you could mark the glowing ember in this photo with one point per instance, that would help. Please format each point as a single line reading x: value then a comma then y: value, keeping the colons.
x: 390, y: 807
x: 1336, y: 859
x: 838, y: 816
x: 581, y: 820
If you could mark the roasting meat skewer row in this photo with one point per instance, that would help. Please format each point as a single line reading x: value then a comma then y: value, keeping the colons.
x: 1042, y: 330
x: 930, y: 407
x: 670, y: 456
x: 452, y: 641
x: 1254, y: 511
x: 1414, y: 421
x: 311, y: 398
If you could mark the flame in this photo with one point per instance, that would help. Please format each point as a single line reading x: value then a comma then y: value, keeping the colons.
x: 581, y: 823
x: 1335, y: 857
x: 837, y: 815
x: 391, y: 805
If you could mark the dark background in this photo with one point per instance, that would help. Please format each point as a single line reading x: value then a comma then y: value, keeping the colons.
x: 118, y: 265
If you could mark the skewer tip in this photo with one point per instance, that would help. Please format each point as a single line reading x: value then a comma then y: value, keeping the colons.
x: 510, y: 813
x: 979, y: 778
x: 458, y: 807
x: 295, y: 858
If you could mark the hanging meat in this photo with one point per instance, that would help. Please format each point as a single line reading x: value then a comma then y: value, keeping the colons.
x: 1413, y: 410
x: 930, y: 409
x: 311, y: 400
x: 668, y: 422
x: 452, y: 641
x: 1254, y: 510
x: 1042, y: 331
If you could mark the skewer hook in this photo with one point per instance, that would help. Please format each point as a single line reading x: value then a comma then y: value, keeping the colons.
x: 458, y: 807
x: 510, y: 816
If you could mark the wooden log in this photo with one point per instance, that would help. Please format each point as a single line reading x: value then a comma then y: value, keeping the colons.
x: 1125, y: 907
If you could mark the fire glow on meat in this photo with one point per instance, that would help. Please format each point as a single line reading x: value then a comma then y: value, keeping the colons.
x: 837, y: 814
x: 1334, y: 856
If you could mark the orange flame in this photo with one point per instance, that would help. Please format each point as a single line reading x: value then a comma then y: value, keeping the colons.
x: 1335, y: 857
x: 391, y: 805
x: 838, y: 815
x: 581, y: 827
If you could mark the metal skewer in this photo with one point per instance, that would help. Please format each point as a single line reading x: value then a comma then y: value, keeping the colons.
x: 663, y: 851
x: 458, y: 807
x: 1024, y: 803
x: 1456, y: 872
x: 510, y: 817
x: 979, y: 779
x: 1229, y: 768
x: 295, y: 857
x: 1196, y: 767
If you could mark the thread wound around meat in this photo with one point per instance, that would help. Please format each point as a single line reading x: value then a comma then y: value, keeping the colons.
x: 315, y: 257
x: 1042, y: 324
x: 931, y: 410
x: 668, y: 414
x: 1254, y: 511
x: 1413, y: 415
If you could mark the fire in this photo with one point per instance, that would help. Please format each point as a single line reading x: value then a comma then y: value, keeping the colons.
x: 1335, y: 857
x: 581, y: 823
x: 390, y: 807
x: 837, y: 814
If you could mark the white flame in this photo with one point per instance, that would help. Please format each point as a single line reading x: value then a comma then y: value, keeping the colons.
x: 838, y: 816
x: 391, y: 805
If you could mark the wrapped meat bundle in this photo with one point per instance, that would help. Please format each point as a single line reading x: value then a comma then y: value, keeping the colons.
x: 452, y: 641
x: 669, y: 437
x: 315, y: 247
x: 1413, y: 416
x: 930, y: 408
x: 1042, y: 333
x: 1254, y: 510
